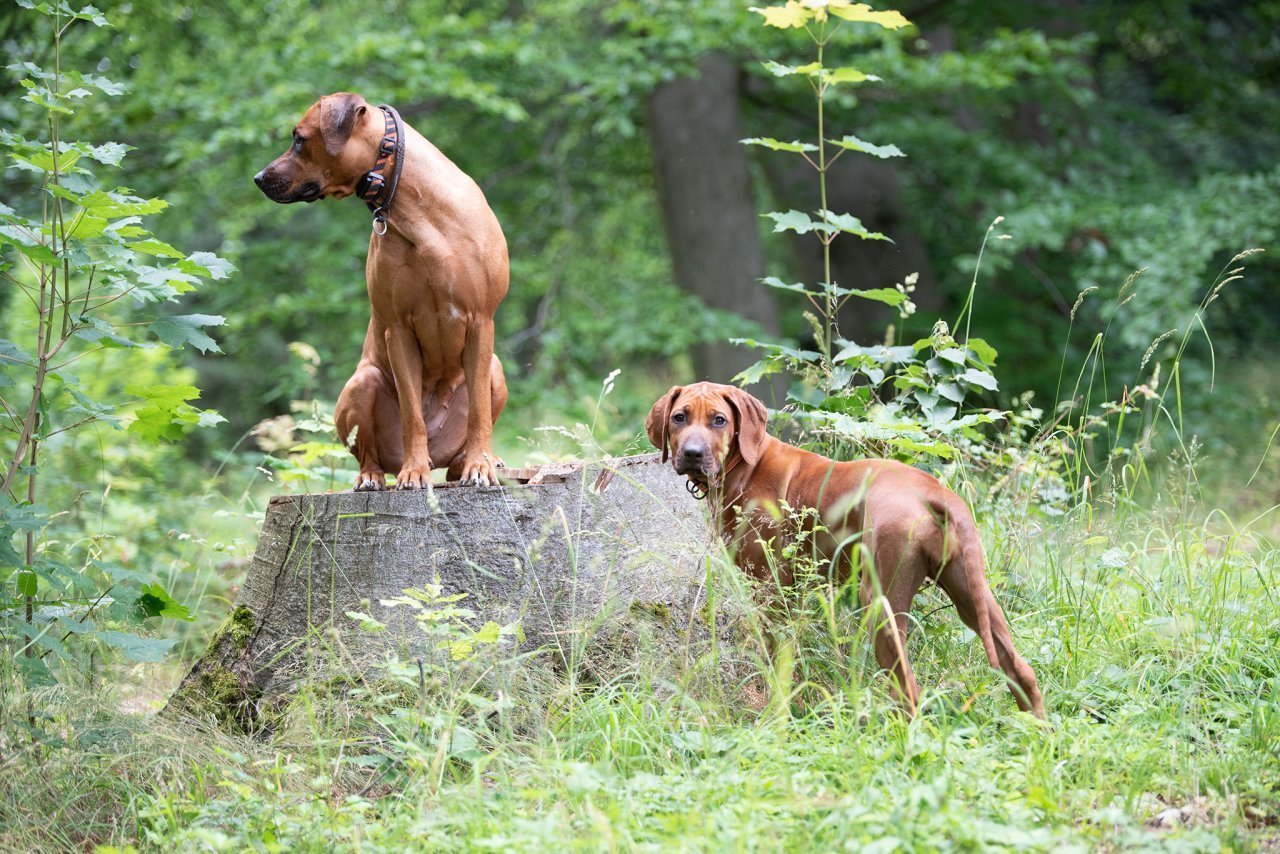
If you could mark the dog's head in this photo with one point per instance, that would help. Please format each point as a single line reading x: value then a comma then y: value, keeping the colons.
x: 703, y: 425
x: 333, y: 145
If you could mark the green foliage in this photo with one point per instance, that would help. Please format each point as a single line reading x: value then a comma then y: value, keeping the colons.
x: 1157, y: 662
x: 847, y: 393
x: 1124, y: 138
x: 89, y: 279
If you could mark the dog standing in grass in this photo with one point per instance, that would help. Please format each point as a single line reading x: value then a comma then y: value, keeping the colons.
x: 428, y: 387
x: 910, y: 526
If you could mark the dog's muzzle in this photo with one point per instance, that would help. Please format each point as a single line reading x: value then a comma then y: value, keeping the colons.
x: 276, y: 187
x: 697, y: 463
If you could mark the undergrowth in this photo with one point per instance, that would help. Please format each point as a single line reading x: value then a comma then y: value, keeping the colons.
x: 1154, y: 633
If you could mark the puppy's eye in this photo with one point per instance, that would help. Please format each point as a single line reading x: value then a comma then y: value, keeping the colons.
x: 297, y: 142
x: 678, y: 418
x: 719, y: 421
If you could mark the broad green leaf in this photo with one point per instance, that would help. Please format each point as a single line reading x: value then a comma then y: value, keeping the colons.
x: 849, y: 224
x: 937, y: 449
x: 44, y: 161
x: 775, y: 282
x: 183, y: 329
x: 953, y: 354
x: 852, y: 143
x: 88, y: 227
x: 777, y: 69
x: 211, y: 418
x: 107, y: 87
x: 798, y: 222
x: 879, y: 353
x: 950, y: 391
x: 97, y: 330
x: 367, y: 623
x: 980, y: 378
x: 119, y: 203
x: 888, y: 296
x: 792, y: 14
x: 752, y: 374
x: 847, y: 75
x: 135, y: 647
x: 861, y: 12
x: 777, y: 349
x: 207, y: 264
x: 166, y: 415
x: 109, y: 153
x: 775, y: 145
x: 26, y: 583
x: 27, y: 244
x: 24, y: 517
x: 488, y: 633
x: 152, y: 246
x: 164, y: 395
x: 981, y: 351
x: 155, y: 601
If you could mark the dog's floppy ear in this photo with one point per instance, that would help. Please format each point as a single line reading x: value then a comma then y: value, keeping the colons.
x: 338, y: 114
x: 660, y: 417
x: 752, y: 419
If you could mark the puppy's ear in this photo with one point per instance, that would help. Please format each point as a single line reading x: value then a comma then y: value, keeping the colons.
x: 752, y: 420
x: 338, y: 115
x: 660, y: 417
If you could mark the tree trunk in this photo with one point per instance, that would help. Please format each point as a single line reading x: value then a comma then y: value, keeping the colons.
x: 704, y: 188
x: 604, y: 566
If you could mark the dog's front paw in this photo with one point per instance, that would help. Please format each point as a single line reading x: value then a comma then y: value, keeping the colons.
x: 479, y: 469
x: 414, y: 477
x: 370, y: 481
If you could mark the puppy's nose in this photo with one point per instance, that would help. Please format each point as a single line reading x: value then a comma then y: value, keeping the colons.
x: 258, y: 179
x: 693, y: 452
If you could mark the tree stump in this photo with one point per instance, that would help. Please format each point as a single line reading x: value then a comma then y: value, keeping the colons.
x: 593, y: 560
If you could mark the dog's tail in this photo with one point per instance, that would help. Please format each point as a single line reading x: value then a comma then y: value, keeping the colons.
x: 975, y: 570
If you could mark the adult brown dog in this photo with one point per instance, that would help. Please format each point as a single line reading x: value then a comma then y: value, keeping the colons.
x: 428, y: 387
x: 908, y: 524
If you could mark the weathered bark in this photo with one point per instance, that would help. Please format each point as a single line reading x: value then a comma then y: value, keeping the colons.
x: 595, y: 562
x: 704, y: 187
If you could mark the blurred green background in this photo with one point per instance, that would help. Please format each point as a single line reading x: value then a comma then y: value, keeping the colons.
x: 1111, y: 137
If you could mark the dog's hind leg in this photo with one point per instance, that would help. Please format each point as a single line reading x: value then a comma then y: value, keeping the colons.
x: 890, y: 586
x: 972, y: 596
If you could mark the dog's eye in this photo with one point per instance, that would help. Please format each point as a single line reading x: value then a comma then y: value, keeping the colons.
x: 719, y: 421
x: 678, y: 418
x: 297, y: 142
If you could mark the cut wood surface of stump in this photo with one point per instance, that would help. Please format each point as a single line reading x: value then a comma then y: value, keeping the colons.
x: 610, y: 554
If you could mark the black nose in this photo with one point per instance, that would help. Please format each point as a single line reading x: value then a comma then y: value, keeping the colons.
x: 692, y: 452
x: 258, y: 179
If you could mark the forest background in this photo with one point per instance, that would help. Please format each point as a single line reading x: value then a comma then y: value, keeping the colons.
x: 1052, y: 150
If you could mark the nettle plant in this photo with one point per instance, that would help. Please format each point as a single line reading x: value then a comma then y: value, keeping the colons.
x: 906, y: 399
x: 86, y: 284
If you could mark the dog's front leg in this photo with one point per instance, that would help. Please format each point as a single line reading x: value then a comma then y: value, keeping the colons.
x: 476, y: 464
x: 406, y: 367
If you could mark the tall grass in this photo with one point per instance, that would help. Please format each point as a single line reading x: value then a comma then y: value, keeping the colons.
x: 1155, y: 639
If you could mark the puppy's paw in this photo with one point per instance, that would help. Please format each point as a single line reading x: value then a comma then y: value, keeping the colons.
x: 370, y: 481
x: 478, y: 469
x: 414, y: 477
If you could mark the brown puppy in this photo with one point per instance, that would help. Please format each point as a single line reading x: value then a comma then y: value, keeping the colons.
x: 908, y: 526
x: 428, y: 387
